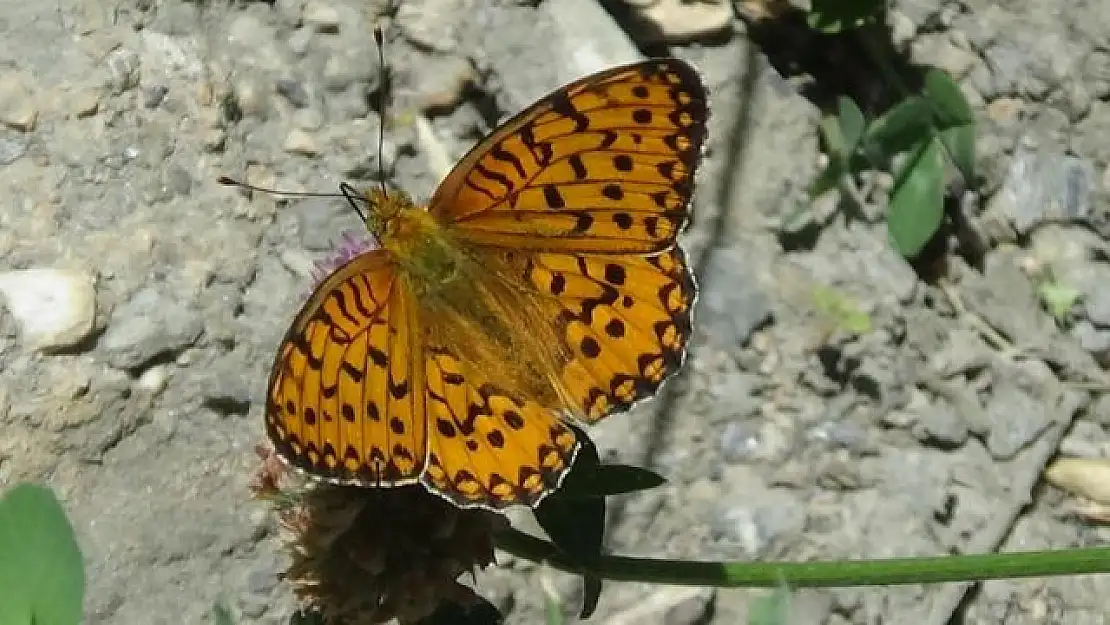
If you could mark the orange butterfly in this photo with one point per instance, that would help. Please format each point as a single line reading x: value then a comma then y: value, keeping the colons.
x: 542, y: 282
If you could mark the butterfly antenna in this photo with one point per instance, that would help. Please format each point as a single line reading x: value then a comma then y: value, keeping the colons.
x: 379, y: 39
x: 231, y: 182
x: 353, y: 198
x: 345, y: 191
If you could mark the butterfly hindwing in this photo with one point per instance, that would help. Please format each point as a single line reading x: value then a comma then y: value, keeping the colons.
x: 625, y: 320
x: 487, y: 446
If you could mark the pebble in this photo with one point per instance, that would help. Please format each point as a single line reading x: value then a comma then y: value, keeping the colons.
x: 1094, y: 341
x: 1088, y: 135
x: 226, y: 384
x: 17, y: 109
x: 690, y: 606
x: 342, y: 70
x: 154, y: 95
x: 154, y: 379
x: 588, y: 37
x: 293, y: 92
x: 732, y: 306
x: 1096, y: 297
x: 941, y: 426
x: 123, y: 69
x: 150, y: 325
x: 1016, y: 420
x: 735, y: 396
x: 1085, y: 439
x: 56, y: 308
x: 1042, y: 187
x: 939, y: 51
x: 322, y: 17
x: 1086, y: 477
x: 86, y: 102
x: 300, y: 142
x: 430, y: 24
x: 1099, y: 411
x: 12, y: 146
x: 213, y: 138
x: 752, y: 522
x: 680, y: 21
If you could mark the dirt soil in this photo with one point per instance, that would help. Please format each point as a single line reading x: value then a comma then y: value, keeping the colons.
x: 785, y: 438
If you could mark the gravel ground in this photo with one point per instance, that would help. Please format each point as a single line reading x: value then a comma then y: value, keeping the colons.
x: 143, y: 301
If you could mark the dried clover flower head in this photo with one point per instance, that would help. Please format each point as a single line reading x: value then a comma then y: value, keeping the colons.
x: 369, y: 555
x: 349, y: 246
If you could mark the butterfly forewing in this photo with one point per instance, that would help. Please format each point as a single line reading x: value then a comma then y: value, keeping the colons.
x: 604, y: 165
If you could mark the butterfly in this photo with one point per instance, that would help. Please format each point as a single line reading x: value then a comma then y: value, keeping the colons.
x: 542, y: 284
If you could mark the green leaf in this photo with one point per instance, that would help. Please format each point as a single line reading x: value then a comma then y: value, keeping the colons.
x: 834, y: 138
x: 609, y: 479
x: 917, y: 203
x: 42, y: 576
x: 577, y: 524
x: 828, y: 179
x: 1059, y: 298
x: 899, y: 129
x: 834, y: 16
x: 960, y: 145
x: 841, y: 136
x: 950, y: 108
x: 851, y: 122
x: 842, y: 310
x: 954, y: 120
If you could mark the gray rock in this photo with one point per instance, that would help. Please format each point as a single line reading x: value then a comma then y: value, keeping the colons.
x: 1093, y: 340
x: 12, y: 146
x: 691, y: 610
x: 1016, y: 419
x: 123, y: 67
x: 1091, y: 279
x: 1084, y: 440
x: 735, y: 396
x: 1088, y: 138
x: 293, y: 92
x: 730, y: 306
x: 1096, y: 72
x: 1004, y: 297
x: 1099, y: 411
x: 739, y: 441
x: 150, y: 325
x: 941, y: 426
x: 754, y: 522
x: 153, y: 95
x: 1042, y: 187
x: 226, y: 384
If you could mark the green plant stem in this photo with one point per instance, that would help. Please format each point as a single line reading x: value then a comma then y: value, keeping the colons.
x: 916, y: 570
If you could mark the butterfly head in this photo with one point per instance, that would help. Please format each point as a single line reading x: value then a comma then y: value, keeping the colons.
x: 386, y: 208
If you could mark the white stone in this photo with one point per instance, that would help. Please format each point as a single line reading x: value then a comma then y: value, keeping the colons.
x: 675, y: 21
x: 17, y: 108
x: 154, y: 379
x: 323, y: 18
x: 56, y: 308
x: 300, y: 142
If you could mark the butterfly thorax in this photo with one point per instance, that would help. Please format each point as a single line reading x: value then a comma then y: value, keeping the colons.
x: 461, y: 297
x: 417, y: 243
